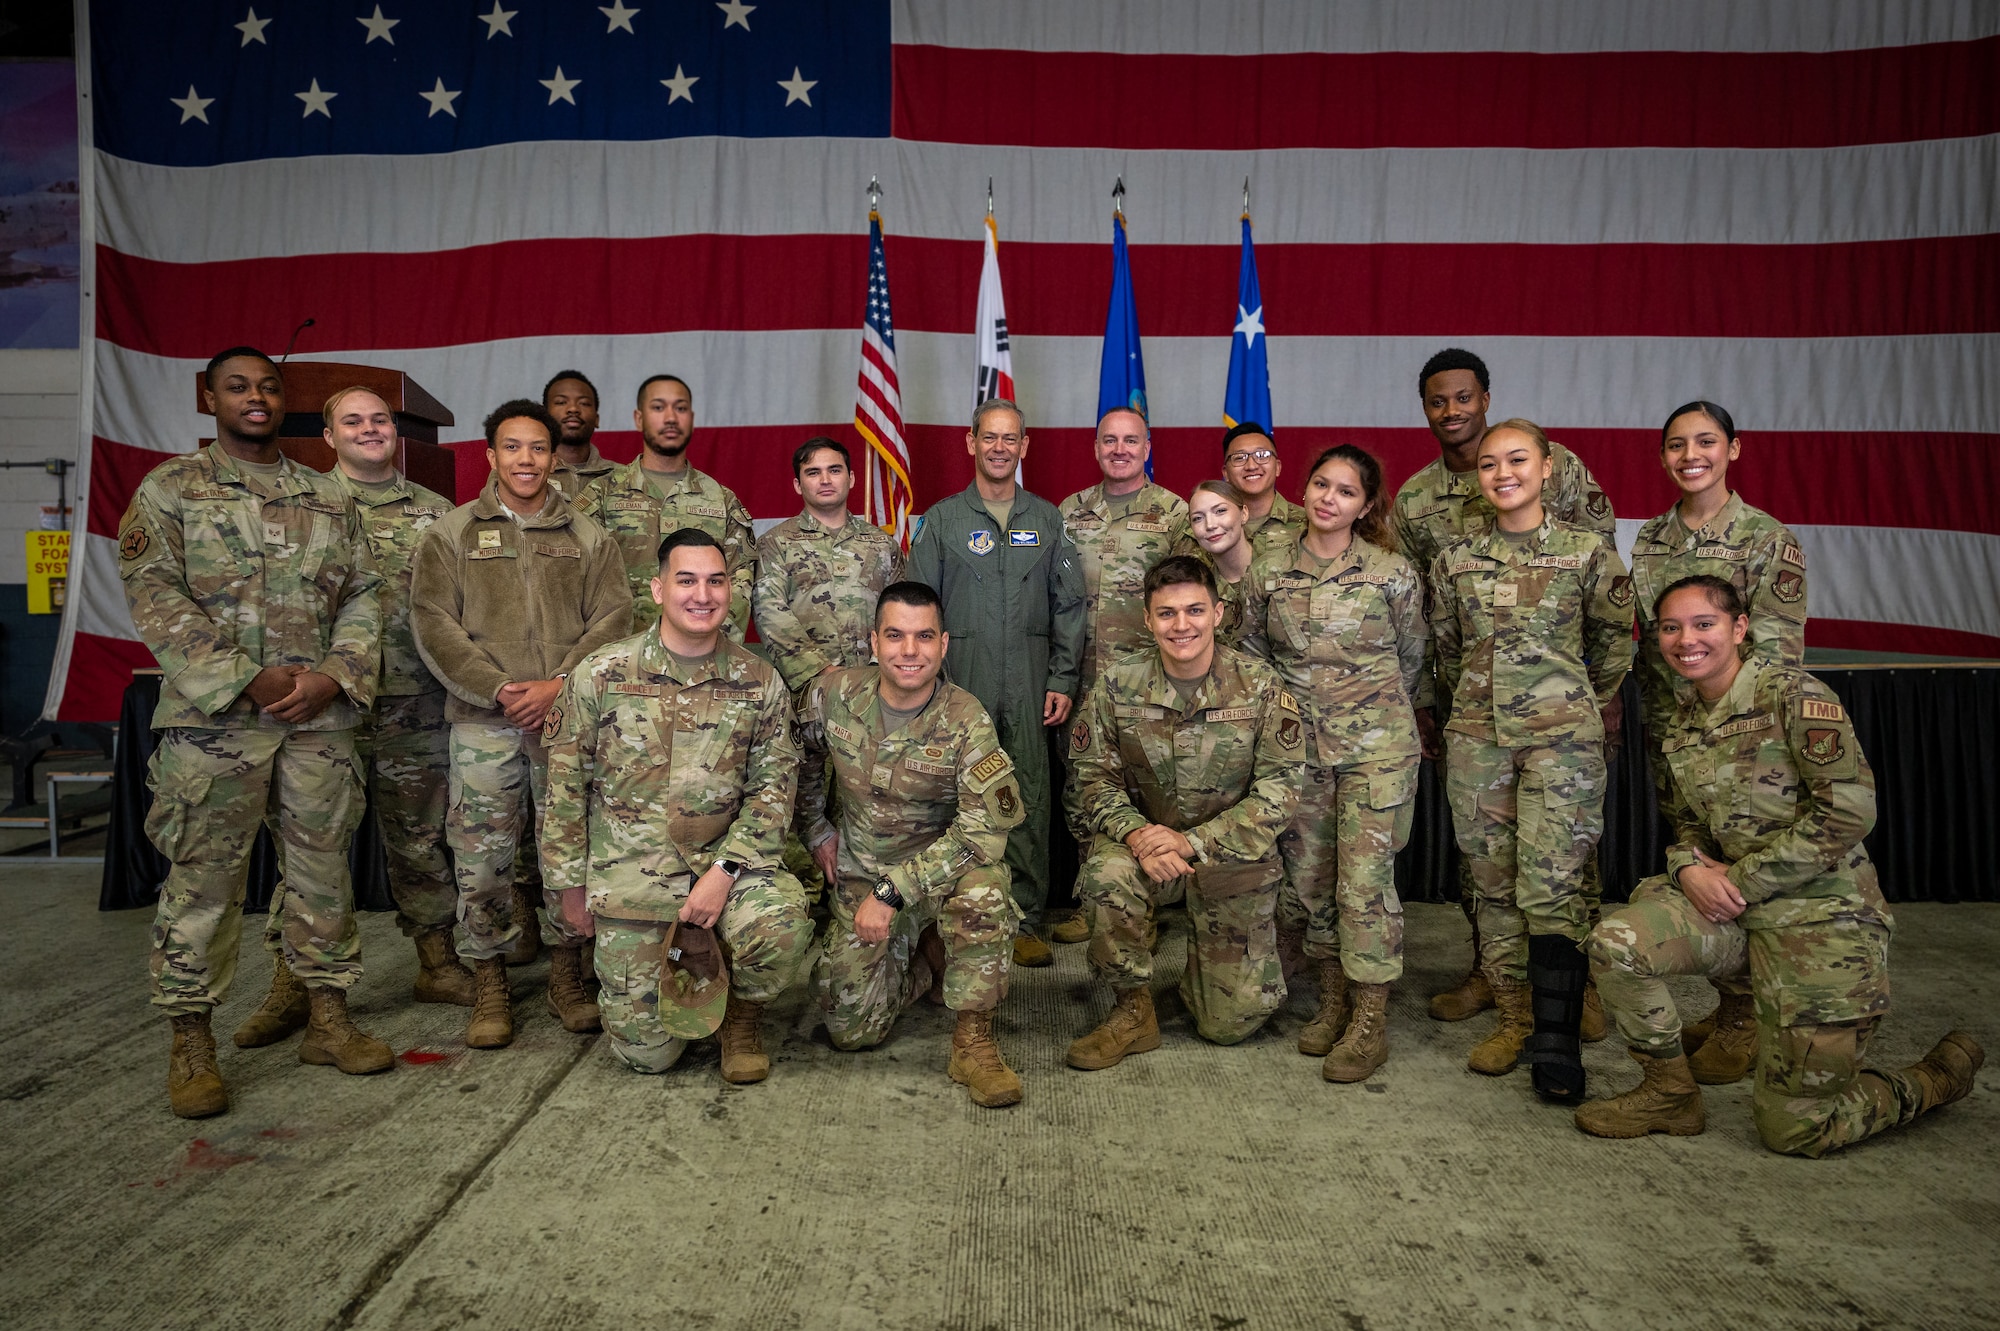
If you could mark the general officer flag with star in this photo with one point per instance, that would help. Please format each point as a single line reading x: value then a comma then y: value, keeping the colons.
x: 1247, y: 397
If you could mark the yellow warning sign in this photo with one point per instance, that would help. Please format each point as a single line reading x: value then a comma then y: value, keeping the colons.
x: 48, y: 571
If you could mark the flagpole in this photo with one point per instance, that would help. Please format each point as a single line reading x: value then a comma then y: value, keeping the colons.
x: 873, y: 501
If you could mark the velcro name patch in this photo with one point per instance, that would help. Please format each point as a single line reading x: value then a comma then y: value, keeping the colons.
x: 1556, y: 561
x: 1232, y: 714
x: 559, y: 551
x: 638, y: 690
x: 1743, y: 727
x: 318, y: 505
x: 1791, y: 554
x: 839, y: 731
x: 630, y: 505
x: 704, y: 510
x: 1372, y: 579
x: 928, y: 769
x: 1143, y: 524
x: 1721, y: 552
x: 1812, y: 709
x: 738, y: 695
x: 1137, y: 712
x: 1468, y: 566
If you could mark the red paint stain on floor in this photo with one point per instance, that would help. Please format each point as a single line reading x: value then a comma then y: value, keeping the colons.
x: 423, y: 1057
x: 202, y: 1156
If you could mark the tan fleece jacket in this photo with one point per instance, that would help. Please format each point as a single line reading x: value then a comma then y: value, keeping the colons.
x: 494, y: 600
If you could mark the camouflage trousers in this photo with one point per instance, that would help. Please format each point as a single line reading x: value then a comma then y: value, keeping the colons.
x: 1340, y: 865
x: 400, y: 746
x: 1527, y: 820
x: 212, y: 790
x: 863, y: 987
x: 499, y: 782
x: 1233, y: 982
x: 1820, y: 991
x: 764, y: 931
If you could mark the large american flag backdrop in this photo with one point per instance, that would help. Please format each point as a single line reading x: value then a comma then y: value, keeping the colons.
x: 1787, y: 207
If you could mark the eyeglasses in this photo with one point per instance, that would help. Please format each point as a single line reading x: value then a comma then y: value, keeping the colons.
x: 1254, y: 455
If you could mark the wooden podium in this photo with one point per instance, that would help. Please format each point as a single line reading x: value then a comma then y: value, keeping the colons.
x: 309, y: 383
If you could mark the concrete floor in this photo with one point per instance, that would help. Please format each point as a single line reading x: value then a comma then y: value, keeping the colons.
x: 1193, y: 1188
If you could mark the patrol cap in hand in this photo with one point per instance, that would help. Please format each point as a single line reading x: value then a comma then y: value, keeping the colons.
x: 694, y: 981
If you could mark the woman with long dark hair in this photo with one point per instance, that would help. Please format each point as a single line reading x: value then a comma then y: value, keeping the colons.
x: 1340, y: 615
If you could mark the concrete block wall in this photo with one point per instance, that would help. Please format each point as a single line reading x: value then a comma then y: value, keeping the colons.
x: 38, y: 419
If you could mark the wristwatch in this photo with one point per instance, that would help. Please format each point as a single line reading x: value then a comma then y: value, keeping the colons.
x: 734, y: 868
x: 886, y: 893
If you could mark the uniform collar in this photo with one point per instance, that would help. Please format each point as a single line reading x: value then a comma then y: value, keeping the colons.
x: 812, y: 526
x: 1717, y: 527
x: 655, y: 659
x: 1095, y: 500
x: 1741, y: 698
x: 555, y: 512
x: 1160, y: 690
x: 973, y: 497
x: 1495, y: 545
x: 399, y: 488
x: 867, y: 709
x: 292, y: 478
x: 1349, y: 559
x: 633, y: 476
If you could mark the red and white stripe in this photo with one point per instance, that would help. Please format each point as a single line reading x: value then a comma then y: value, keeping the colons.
x: 878, y: 415
x: 1787, y: 207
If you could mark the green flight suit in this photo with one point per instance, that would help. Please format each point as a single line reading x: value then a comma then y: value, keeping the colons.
x: 1013, y: 598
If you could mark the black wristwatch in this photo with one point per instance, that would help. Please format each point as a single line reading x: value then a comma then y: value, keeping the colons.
x: 886, y: 893
x: 734, y: 868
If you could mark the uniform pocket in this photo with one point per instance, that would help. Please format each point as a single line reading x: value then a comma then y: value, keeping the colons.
x: 172, y: 814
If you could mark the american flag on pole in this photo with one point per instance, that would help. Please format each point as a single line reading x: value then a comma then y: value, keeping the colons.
x: 878, y: 401
x: 482, y: 193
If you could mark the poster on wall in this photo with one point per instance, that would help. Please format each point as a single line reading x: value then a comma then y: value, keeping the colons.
x: 39, y: 221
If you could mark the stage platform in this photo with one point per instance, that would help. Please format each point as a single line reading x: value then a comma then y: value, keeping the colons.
x: 1192, y: 1189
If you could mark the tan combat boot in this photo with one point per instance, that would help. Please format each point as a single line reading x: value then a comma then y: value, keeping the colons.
x: 283, y: 1011
x: 492, y: 1024
x: 976, y: 1063
x: 1075, y: 929
x: 1945, y: 1074
x: 1665, y: 1100
x: 1030, y: 950
x: 1592, y: 1026
x: 569, y: 1002
x: 1130, y: 1028
x: 743, y: 1057
x: 1364, y: 1046
x: 333, y: 1040
x: 529, y: 945
x: 1729, y: 1050
x: 1319, y: 1035
x: 441, y: 976
x: 1468, y: 998
x: 194, y: 1083
x: 1498, y: 1052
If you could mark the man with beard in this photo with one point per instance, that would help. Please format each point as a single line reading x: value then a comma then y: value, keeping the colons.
x: 660, y: 492
x: 250, y: 580
x: 572, y: 400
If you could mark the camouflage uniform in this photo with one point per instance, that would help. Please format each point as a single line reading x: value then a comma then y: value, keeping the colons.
x: 1274, y: 533
x: 625, y: 503
x: 400, y: 744
x: 573, y: 478
x: 1745, y: 547
x: 1224, y: 771
x: 1438, y: 507
x: 816, y: 590
x: 1348, y: 641
x: 1013, y: 603
x: 496, y: 599
x: 928, y: 807
x: 223, y: 582
x: 1533, y: 639
x: 656, y: 771
x: 1769, y: 780
x: 1114, y: 554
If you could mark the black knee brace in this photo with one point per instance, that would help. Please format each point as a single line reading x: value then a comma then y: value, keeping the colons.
x: 1557, y: 971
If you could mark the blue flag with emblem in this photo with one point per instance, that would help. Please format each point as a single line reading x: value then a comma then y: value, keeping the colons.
x: 1248, y: 394
x: 1121, y: 374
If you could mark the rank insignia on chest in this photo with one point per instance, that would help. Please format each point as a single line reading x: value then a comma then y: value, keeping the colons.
x: 980, y: 542
x: 1018, y: 537
x: 1790, y: 586
x: 489, y: 540
x: 1504, y: 594
x: 1823, y: 746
